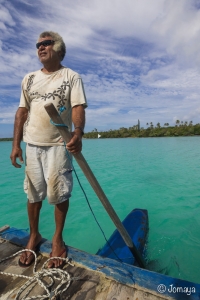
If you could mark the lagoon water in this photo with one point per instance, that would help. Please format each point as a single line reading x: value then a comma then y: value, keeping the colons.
x: 161, y: 175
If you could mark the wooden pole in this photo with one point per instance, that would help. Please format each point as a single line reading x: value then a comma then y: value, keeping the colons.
x: 52, y: 112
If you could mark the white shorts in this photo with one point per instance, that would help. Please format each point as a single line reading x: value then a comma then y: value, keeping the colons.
x: 48, y: 173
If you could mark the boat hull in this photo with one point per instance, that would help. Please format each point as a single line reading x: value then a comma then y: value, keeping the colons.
x: 136, y: 224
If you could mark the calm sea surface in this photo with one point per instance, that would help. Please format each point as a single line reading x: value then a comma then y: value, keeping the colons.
x: 161, y: 175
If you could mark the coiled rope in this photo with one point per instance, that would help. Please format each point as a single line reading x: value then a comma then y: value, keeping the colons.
x: 50, y: 276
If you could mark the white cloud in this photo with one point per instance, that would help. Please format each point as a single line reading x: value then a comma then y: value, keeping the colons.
x: 7, y: 113
x: 138, y: 59
x: 6, y: 17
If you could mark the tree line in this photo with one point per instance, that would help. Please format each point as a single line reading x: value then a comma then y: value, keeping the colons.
x: 5, y: 139
x: 180, y: 129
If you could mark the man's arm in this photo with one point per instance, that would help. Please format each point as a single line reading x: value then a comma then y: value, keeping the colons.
x: 78, y: 118
x: 20, y: 119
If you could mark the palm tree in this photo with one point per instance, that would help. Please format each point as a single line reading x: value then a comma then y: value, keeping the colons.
x: 151, y: 123
x: 158, y: 125
x: 190, y: 123
x: 177, y: 122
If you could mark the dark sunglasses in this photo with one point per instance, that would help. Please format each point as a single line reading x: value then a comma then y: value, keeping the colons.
x: 44, y: 43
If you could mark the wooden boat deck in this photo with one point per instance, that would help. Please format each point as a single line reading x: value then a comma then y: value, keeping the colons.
x: 93, y: 277
x: 91, y: 285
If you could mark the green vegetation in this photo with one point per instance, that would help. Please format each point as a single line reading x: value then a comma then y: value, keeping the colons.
x: 180, y: 129
x: 6, y: 139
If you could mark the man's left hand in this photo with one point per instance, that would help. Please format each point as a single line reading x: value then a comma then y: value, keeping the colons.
x: 75, y: 144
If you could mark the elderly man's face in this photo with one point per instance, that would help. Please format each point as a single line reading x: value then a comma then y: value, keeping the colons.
x: 46, y: 53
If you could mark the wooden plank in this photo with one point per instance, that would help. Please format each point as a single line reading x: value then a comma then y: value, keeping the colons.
x: 85, y: 285
x: 144, y: 295
x: 5, y: 227
x: 103, y: 288
x: 118, y: 292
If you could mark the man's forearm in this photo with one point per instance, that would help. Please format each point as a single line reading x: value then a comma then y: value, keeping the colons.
x: 78, y: 118
x: 20, y: 119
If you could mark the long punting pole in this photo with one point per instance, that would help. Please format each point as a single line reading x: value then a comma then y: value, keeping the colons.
x: 52, y: 112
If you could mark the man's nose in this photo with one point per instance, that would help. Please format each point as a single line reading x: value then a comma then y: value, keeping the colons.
x: 41, y: 47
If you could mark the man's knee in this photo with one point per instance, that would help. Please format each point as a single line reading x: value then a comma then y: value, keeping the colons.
x: 35, y: 205
x: 63, y: 205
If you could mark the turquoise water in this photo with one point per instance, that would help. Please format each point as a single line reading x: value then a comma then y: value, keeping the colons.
x: 158, y: 174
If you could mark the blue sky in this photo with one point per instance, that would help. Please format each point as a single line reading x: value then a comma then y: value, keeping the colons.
x: 139, y: 59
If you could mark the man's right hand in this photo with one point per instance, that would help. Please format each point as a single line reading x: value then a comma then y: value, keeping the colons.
x: 20, y: 119
x: 16, y: 153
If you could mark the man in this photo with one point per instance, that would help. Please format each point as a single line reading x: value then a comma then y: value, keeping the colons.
x: 48, y: 168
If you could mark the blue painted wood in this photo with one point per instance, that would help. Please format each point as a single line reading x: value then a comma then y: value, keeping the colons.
x: 136, y: 224
x: 16, y: 236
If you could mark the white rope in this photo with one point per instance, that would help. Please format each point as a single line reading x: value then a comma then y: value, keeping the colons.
x: 51, y: 275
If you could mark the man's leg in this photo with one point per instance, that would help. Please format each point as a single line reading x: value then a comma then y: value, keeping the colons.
x: 35, y: 236
x: 58, y: 245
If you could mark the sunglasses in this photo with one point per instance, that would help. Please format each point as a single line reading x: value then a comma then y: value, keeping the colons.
x: 45, y: 43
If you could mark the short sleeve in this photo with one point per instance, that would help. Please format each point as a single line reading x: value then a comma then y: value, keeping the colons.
x: 77, y: 96
x: 24, y: 99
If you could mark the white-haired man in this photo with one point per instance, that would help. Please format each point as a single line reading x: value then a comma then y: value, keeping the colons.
x: 48, y: 168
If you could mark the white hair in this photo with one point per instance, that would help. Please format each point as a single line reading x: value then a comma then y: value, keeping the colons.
x: 59, y: 44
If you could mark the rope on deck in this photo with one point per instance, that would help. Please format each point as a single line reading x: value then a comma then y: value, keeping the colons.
x: 42, y: 277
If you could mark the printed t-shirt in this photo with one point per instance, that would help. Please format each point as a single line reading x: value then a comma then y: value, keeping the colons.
x: 62, y: 88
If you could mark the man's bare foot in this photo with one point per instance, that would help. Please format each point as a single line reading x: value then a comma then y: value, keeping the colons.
x: 27, y: 257
x: 58, y: 250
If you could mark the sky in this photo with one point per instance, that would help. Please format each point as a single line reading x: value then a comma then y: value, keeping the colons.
x: 138, y: 59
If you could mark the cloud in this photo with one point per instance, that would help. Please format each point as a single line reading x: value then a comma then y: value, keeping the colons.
x: 138, y: 60
x: 7, y: 113
x: 6, y: 18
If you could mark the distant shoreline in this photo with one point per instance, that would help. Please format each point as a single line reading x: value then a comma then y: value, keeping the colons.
x: 136, y: 132
x: 152, y: 131
x: 121, y: 137
x: 6, y: 139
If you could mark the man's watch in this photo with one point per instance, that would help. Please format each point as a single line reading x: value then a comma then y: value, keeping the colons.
x: 80, y: 128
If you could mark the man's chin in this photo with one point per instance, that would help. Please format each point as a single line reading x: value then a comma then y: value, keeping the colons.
x: 42, y: 59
